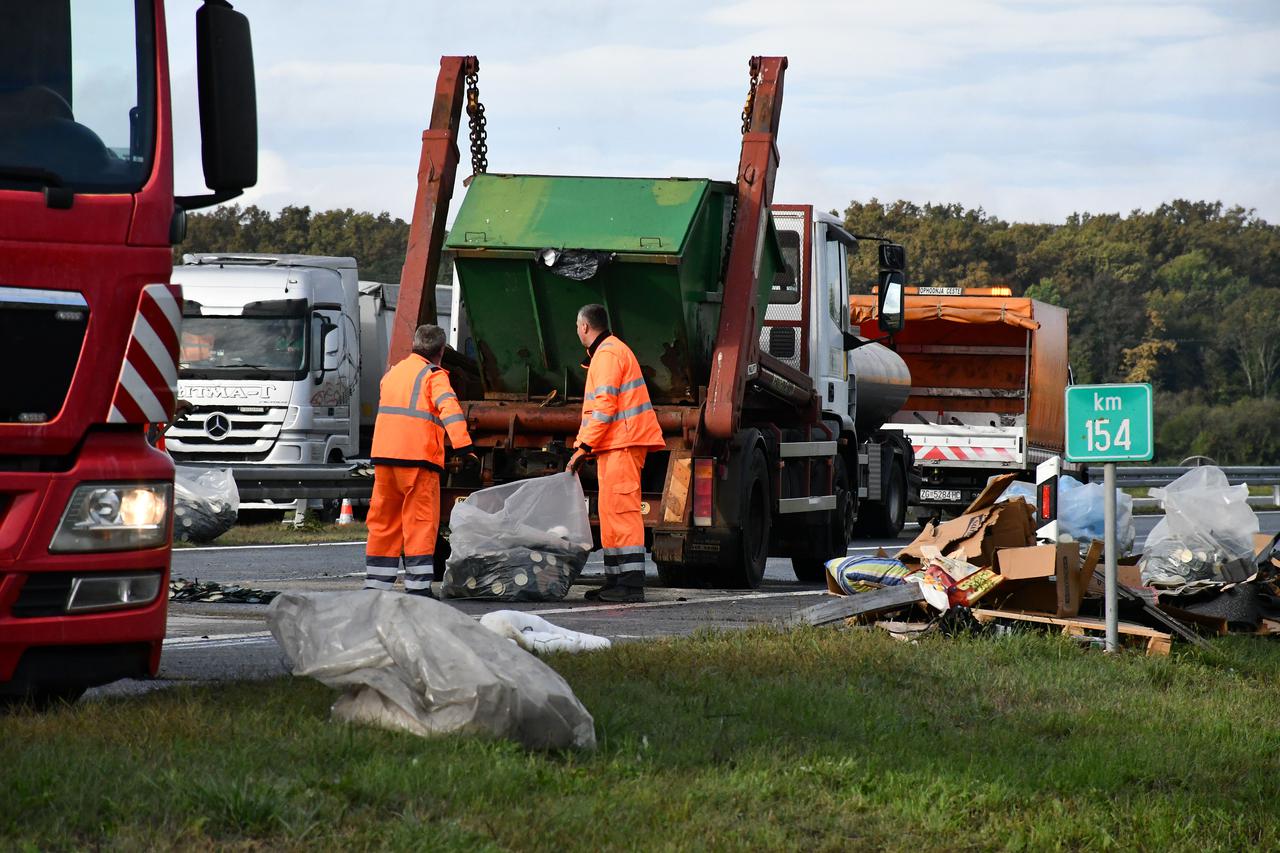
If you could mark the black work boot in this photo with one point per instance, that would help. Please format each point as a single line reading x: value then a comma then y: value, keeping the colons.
x: 628, y: 590
x: 610, y: 581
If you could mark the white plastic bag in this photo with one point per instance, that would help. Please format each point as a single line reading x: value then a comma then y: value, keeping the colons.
x: 521, y: 541
x: 537, y: 635
x: 1082, y: 516
x: 1206, y: 533
x: 206, y: 503
x: 415, y: 664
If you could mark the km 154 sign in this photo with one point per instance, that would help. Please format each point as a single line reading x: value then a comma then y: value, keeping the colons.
x: 1109, y: 423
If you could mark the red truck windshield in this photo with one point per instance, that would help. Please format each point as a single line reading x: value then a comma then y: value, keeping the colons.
x: 77, y: 94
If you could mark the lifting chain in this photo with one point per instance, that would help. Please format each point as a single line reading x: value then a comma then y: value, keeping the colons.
x: 750, y: 105
x: 747, y: 109
x: 476, y: 122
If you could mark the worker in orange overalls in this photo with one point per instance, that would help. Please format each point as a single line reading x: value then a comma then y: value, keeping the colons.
x: 618, y: 429
x: 416, y: 408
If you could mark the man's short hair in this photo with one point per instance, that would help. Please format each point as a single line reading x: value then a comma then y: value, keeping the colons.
x: 428, y: 341
x: 595, y: 316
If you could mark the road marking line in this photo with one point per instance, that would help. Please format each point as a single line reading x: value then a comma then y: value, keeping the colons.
x: 204, y: 548
x: 192, y: 641
x: 217, y: 640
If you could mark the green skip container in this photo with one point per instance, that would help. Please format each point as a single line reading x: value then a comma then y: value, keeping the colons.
x: 649, y: 249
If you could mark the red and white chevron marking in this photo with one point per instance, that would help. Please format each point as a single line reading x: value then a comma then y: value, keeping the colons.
x: 954, y: 453
x: 148, y: 386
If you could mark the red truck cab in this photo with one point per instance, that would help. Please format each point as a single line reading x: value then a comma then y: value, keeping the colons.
x: 89, y: 323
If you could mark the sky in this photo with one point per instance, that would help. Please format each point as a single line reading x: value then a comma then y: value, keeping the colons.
x: 1029, y: 109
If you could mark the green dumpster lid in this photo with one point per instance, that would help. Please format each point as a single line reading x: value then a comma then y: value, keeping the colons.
x: 650, y: 215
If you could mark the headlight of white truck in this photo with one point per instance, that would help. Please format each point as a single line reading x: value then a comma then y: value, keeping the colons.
x: 114, y: 517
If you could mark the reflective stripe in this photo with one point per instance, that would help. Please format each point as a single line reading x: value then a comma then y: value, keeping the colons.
x: 634, y: 383
x: 625, y: 549
x: 417, y: 387
x: 605, y: 389
x: 411, y: 413
x: 452, y: 419
x: 385, y: 586
x: 622, y: 416
x: 448, y: 395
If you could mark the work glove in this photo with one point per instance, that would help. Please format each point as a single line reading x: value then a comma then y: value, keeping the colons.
x: 465, y: 458
x: 576, y: 461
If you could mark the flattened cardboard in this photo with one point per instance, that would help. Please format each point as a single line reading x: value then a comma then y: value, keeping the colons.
x: 1044, y: 578
x: 982, y: 530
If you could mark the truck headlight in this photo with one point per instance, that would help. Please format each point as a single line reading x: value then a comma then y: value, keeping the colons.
x: 114, y: 517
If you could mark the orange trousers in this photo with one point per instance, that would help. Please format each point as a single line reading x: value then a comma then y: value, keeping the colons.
x: 621, y: 523
x: 404, y: 516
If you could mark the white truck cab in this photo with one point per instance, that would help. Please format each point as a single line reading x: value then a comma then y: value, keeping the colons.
x: 269, y: 360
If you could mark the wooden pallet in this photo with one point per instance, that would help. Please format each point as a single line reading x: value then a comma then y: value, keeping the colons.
x: 1157, y: 642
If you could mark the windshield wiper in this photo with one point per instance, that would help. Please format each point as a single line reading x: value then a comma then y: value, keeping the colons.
x: 34, y: 174
x: 56, y: 195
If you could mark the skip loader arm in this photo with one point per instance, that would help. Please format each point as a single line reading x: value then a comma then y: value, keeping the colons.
x: 437, y: 169
x: 736, y: 338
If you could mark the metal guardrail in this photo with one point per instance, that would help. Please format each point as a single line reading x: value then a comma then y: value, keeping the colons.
x: 290, y: 482
x: 1155, y: 476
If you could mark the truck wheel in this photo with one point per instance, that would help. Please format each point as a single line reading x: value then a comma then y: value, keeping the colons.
x: 743, y: 566
x: 885, y: 519
x: 838, y: 531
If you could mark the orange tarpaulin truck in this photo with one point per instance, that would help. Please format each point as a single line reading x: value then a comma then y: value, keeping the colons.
x: 988, y: 373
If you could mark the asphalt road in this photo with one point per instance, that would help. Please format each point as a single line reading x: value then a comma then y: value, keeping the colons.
x: 219, y: 642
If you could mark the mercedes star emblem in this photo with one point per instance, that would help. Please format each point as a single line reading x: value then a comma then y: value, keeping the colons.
x: 217, y: 426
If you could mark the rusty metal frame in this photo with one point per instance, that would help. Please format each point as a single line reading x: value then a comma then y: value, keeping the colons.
x: 437, y: 168
x: 737, y: 343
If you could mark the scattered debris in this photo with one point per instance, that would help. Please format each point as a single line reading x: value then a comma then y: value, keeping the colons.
x: 990, y: 554
x: 181, y: 589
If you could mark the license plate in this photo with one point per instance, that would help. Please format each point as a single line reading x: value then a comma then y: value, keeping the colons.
x: 951, y: 495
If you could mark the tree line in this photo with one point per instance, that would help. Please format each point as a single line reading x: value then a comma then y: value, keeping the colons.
x: 1185, y: 296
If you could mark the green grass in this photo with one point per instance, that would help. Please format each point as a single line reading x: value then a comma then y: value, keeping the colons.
x: 278, y: 533
x: 814, y: 740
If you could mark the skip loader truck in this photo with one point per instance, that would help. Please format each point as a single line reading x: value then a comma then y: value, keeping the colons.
x: 735, y: 308
x: 89, y: 322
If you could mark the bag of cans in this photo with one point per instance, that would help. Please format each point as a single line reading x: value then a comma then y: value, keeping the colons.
x: 522, y: 541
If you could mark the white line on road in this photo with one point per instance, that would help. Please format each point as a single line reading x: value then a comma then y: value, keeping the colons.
x: 225, y: 640
x: 204, y: 548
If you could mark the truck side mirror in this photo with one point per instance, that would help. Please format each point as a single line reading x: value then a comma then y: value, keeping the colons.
x: 891, y: 311
x: 322, y: 361
x: 893, y: 279
x: 228, y: 104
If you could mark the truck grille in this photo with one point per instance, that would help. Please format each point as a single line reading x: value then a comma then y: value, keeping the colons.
x: 41, y: 334
x: 226, y: 433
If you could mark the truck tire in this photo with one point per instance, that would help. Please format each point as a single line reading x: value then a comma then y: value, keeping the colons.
x: 743, y: 566
x: 837, y: 532
x: 884, y: 520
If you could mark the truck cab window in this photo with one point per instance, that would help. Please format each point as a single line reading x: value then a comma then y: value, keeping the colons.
x: 833, y: 269
x: 77, y: 94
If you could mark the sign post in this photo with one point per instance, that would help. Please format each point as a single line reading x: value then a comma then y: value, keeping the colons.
x: 1110, y: 424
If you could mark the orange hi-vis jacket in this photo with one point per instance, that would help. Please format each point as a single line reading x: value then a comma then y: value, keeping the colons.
x: 616, y: 411
x: 417, y: 406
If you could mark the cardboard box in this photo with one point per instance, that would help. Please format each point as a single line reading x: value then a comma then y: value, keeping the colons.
x: 1044, y: 578
x: 1261, y: 541
x: 985, y: 527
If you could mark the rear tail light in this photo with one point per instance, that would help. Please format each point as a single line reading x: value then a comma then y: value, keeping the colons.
x: 1047, y: 503
x: 703, y: 475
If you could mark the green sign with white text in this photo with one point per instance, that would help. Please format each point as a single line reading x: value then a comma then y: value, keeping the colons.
x: 1109, y: 423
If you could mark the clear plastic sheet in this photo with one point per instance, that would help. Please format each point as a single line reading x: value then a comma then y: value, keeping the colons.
x: 206, y: 503
x: 415, y: 664
x: 522, y: 541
